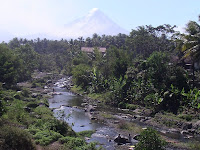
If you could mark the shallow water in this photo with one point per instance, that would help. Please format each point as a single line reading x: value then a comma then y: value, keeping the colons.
x: 76, y: 117
x: 64, y: 109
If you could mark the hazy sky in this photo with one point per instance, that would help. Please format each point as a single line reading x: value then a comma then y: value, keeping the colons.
x: 32, y: 16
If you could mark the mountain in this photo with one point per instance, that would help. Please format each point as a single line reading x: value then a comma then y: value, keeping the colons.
x: 94, y: 22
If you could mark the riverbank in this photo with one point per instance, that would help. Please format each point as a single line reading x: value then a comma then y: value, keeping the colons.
x: 178, y: 132
x: 29, y: 124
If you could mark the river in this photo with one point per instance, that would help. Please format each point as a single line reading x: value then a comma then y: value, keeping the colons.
x: 78, y: 119
x: 67, y: 106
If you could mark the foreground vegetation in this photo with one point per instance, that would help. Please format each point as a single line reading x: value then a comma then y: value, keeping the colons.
x: 26, y: 122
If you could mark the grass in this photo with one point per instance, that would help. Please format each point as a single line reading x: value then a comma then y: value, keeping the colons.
x: 107, y: 115
x: 129, y: 126
x: 168, y: 119
x: 87, y: 133
x: 98, y: 96
x: 95, y: 96
x: 193, y: 145
x: 77, y: 89
x: 38, y: 123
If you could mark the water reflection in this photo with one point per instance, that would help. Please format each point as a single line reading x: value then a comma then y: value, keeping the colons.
x: 63, y: 104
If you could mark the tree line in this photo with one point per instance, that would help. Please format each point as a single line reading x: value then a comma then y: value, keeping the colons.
x: 145, y: 67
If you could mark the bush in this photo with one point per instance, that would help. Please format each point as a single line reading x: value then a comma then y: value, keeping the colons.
x: 15, y: 139
x: 25, y: 92
x: 59, y: 126
x: 17, y: 113
x: 122, y: 105
x: 131, y: 106
x: 186, y: 117
x: 44, y: 112
x: 150, y: 140
x: 72, y: 142
x: 2, y: 108
x: 45, y: 137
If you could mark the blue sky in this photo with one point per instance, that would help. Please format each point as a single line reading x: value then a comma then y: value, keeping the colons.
x: 32, y: 16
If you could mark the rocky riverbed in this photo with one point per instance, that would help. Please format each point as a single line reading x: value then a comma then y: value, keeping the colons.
x: 119, y: 120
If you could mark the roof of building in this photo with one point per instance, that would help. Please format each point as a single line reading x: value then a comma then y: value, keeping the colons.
x: 91, y: 49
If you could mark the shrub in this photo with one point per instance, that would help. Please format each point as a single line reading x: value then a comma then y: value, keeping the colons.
x: 186, y: 117
x: 2, y: 108
x: 131, y: 106
x: 16, y: 139
x: 43, y: 112
x: 122, y: 105
x: 72, y: 142
x: 45, y: 137
x: 17, y: 113
x: 25, y: 92
x: 59, y: 126
x: 150, y: 140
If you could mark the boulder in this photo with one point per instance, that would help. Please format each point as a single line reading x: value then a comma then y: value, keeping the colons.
x: 187, y: 125
x: 49, y: 81
x: 27, y: 109
x: 84, y: 104
x: 172, y: 130
x: 17, y: 96
x: 93, y: 118
x: 116, y: 122
x: 90, y: 108
x: 34, y: 95
x: 192, y: 131
x: 45, y: 87
x: 196, y: 125
x: 184, y: 132
x: 121, y: 140
x: 136, y: 137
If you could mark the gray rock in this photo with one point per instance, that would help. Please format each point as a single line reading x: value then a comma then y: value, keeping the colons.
x: 45, y: 87
x: 196, y: 125
x: 34, y: 95
x: 93, y: 118
x: 136, y: 137
x: 192, y: 131
x: 90, y: 108
x: 84, y: 104
x: 184, y: 132
x: 138, y: 117
x: 121, y: 140
x: 173, y: 131
x: 17, y: 96
x: 116, y: 122
x: 27, y: 109
x: 49, y: 81
x: 187, y: 125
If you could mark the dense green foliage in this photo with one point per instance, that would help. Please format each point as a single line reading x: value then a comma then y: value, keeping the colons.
x: 150, y: 140
x: 15, y: 138
x: 148, y: 67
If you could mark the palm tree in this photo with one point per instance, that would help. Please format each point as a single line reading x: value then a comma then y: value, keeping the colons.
x: 191, y: 46
x: 191, y: 43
